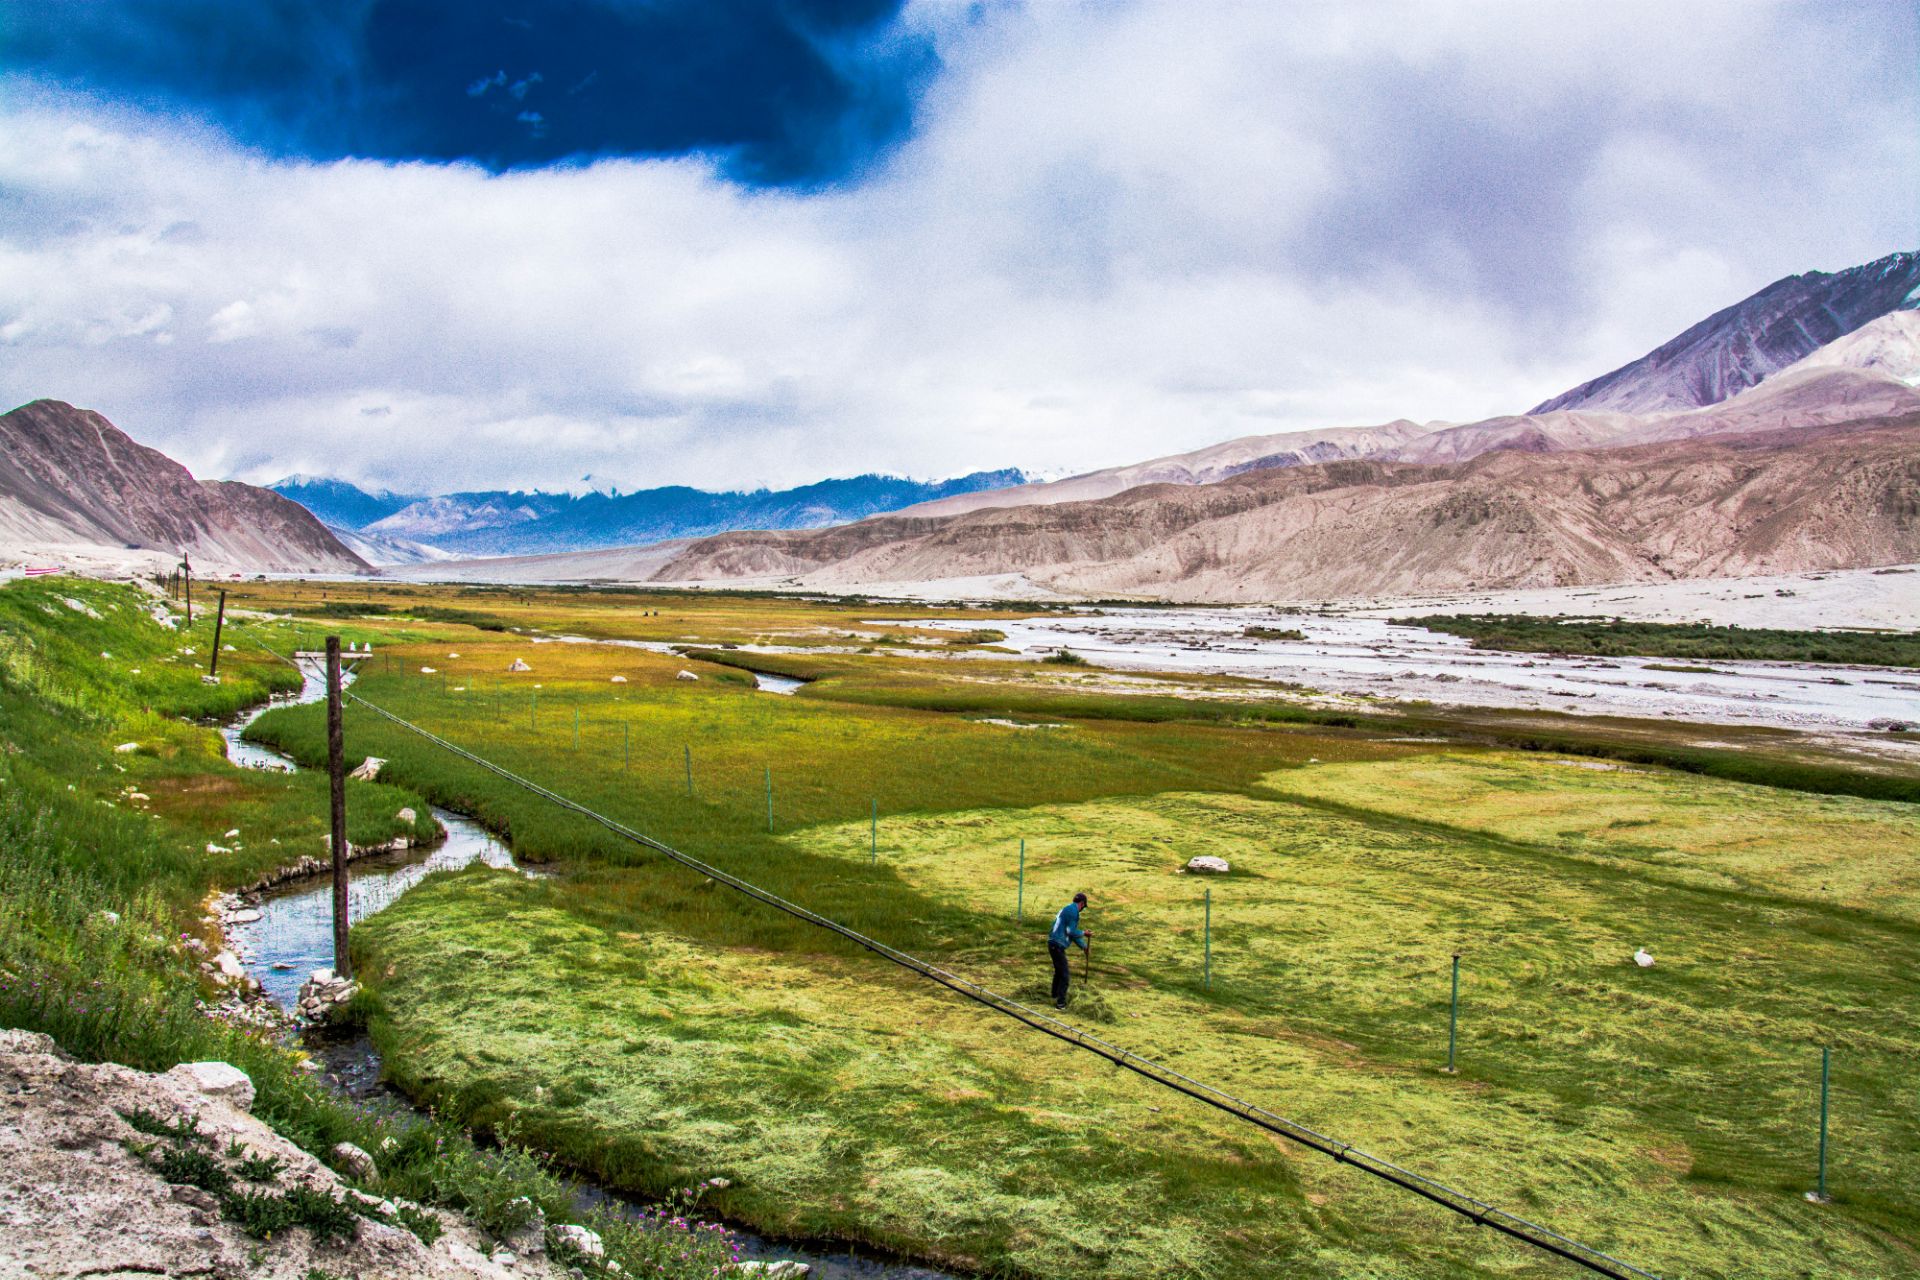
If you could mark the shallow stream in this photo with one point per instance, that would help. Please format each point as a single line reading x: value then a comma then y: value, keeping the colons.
x: 293, y: 936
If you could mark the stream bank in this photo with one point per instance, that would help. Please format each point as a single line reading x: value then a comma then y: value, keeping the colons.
x: 284, y: 932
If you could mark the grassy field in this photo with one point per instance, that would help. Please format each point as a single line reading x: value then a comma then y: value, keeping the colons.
x: 1615, y: 638
x: 651, y: 1028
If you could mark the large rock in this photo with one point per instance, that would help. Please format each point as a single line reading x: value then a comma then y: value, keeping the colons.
x: 76, y: 1201
x: 1207, y: 864
x: 219, y: 1080
x: 368, y: 770
x: 781, y: 1270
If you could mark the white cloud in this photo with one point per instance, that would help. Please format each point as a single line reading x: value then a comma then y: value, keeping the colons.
x: 1118, y: 231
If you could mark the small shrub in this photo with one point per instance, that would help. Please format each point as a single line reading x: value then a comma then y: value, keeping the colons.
x: 1064, y: 658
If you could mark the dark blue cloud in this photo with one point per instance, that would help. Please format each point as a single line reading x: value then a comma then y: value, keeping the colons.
x: 786, y: 92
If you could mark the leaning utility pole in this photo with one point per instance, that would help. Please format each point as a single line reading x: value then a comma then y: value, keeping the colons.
x: 337, y: 783
x: 219, y: 620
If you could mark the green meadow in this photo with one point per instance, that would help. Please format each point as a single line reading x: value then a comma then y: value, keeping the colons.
x: 635, y: 1022
x: 648, y: 1027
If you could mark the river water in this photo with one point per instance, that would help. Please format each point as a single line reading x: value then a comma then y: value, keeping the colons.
x: 294, y: 936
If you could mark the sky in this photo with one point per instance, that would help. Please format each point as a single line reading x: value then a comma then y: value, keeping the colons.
x: 435, y: 245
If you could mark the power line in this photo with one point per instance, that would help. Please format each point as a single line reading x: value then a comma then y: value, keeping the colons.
x: 1472, y: 1208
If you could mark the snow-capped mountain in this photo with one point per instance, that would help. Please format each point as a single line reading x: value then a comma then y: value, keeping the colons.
x: 1733, y: 349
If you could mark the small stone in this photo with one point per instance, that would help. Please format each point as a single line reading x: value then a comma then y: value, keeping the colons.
x: 1206, y: 864
x: 368, y: 770
x: 219, y: 1080
x: 125, y: 747
x: 406, y: 815
x: 686, y: 675
x: 580, y: 1240
x: 354, y: 1162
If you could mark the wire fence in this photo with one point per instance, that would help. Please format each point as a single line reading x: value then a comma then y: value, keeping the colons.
x: 1450, y: 1198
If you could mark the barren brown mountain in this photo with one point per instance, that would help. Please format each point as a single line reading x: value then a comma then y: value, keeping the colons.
x: 1769, y: 502
x: 1200, y: 466
x: 69, y: 479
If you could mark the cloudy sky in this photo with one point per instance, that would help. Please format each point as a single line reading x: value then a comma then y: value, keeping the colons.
x: 448, y: 244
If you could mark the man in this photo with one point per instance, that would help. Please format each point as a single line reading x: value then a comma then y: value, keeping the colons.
x: 1066, y: 929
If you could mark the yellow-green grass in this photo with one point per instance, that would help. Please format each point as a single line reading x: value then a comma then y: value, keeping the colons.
x: 1841, y: 850
x: 1667, y: 1112
x: 708, y: 617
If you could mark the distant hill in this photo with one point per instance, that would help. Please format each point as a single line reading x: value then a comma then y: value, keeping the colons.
x: 515, y: 522
x: 1735, y: 348
x: 71, y: 479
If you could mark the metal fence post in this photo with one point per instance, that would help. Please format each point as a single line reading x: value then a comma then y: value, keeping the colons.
x: 1020, y: 901
x: 1207, y: 962
x: 1453, y: 1013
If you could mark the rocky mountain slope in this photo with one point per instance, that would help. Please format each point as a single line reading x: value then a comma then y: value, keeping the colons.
x: 69, y: 479
x: 1777, y: 501
x: 1735, y: 348
x: 1200, y: 466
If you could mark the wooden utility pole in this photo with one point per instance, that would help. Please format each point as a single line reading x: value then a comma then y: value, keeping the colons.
x: 337, y: 782
x: 186, y: 566
x: 219, y: 620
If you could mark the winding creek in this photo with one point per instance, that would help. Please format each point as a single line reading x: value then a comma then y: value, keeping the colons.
x: 293, y: 936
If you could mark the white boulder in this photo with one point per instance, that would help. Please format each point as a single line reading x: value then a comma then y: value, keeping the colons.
x: 219, y: 1080
x: 517, y: 665
x: 1643, y: 958
x: 686, y: 675
x: 369, y: 769
x: 406, y: 815
x: 1207, y: 864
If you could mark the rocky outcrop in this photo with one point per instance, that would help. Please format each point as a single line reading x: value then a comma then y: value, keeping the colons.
x: 322, y: 993
x: 70, y: 477
x: 78, y: 1199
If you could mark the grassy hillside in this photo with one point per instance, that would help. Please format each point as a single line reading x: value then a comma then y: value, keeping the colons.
x: 111, y: 791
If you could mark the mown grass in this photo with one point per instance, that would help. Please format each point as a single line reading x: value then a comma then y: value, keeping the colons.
x: 1615, y: 638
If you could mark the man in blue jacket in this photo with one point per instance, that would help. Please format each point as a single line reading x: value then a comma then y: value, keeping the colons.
x: 1066, y: 929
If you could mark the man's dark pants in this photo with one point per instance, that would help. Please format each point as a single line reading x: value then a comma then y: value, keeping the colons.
x: 1062, y: 974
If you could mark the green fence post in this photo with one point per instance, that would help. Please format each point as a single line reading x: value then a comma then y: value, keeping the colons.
x: 769, y: 799
x: 533, y: 712
x: 1207, y: 962
x: 576, y: 728
x: 689, y: 754
x: 1453, y: 1013
x: 873, y: 833
x: 1020, y: 899
x: 626, y: 745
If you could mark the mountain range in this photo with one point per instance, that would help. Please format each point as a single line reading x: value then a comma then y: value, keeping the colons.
x: 1816, y: 466
x: 1778, y: 435
x: 401, y: 529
